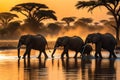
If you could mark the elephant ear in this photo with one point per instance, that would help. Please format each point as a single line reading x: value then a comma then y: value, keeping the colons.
x: 65, y: 41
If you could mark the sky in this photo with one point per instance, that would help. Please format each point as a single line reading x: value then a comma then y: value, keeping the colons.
x: 63, y: 8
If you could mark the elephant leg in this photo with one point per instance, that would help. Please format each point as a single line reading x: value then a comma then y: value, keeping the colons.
x: 96, y: 55
x: 100, y: 54
x: 98, y: 51
x: 76, y: 55
x: 45, y: 54
x: 65, y: 52
x: 27, y: 52
x: 40, y: 54
x: 67, y: 55
x: 112, y: 54
x: 62, y: 55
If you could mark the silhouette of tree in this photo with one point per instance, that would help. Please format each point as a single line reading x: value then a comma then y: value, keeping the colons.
x: 113, y: 6
x: 34, y: 12
x: 53, y: 28
x: 68, y: 20
x: 6, y: 18
x: 86, y: 20
x: 83, y: 22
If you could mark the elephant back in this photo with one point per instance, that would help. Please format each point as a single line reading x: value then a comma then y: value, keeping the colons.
x: 38, y: 42
x: 76, y: 43
x: 109, y: 38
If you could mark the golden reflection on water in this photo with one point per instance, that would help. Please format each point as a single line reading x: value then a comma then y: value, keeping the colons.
x: 57, y: 69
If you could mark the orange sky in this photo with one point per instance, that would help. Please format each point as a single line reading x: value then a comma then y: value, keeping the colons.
x: 63, y: 8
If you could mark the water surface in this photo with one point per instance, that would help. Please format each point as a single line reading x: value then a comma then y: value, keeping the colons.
x: 12, y: 68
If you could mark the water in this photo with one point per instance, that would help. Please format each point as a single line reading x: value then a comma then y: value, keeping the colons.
x: 57, y: 69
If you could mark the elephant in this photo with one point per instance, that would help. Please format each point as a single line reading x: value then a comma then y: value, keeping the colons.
x: 36, y: 42
x: 105, y: 41
x: 74, y: 43
x: 86, y: 50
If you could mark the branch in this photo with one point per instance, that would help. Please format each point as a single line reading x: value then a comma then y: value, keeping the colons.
x: 113, y: 26
x: 24, y: 14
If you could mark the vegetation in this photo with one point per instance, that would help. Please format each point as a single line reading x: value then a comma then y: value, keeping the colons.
x: 111, y: 5
x: 68, y: 20
x: 6, y: 18
x: 34, y: 13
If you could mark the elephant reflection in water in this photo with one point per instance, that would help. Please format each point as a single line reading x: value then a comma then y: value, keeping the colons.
x: 33, y: 69
x: 71, y: 66
x: 37, y: 42
x: 105, y: 69
x: 71, y: 63
x: 29, y: 65
x: 74, y: 43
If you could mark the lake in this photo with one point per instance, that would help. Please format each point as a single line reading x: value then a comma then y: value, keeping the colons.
x: 12, y: 68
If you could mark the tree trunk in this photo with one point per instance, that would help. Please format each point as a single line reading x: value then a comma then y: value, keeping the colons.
x: 117, y: 33
x: 68, y: 24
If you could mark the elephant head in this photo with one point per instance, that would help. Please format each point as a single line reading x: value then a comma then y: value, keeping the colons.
x: 93, y: 38
x: 24, y: 40
x: 61, y: 41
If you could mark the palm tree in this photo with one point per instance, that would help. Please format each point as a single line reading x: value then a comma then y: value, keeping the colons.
x: 113, y: 6
x: 6, y: 18
x: 34, y: 12
x: 68, y: 20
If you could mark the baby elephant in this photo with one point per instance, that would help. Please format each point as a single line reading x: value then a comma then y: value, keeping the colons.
x: 86, y: 50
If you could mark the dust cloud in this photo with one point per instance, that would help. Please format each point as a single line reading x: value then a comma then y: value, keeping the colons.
x: 79, y: 31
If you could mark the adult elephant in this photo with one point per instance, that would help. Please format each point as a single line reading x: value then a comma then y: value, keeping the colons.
x: 74, y: 43
x: 105, y: 41
x: 37, y: 42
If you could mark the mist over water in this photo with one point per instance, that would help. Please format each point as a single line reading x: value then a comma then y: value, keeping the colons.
x: 79, y: 31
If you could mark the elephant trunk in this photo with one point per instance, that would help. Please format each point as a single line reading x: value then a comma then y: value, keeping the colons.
x: 19, y: 46
x: 54, y: 50
x: 83, y: 49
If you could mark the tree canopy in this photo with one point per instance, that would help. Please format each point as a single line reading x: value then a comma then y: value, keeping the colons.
x: 68, y: 20
x: 6, y: 17
x: 34, y: 12
x: 113, y: 6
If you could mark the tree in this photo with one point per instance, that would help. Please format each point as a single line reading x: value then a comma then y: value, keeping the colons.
x: 83, y: 22
x: 68, y: 20
x: 113, y: 6
x: 6, y: 18
x: 53, y: 28
x: 34, y: 12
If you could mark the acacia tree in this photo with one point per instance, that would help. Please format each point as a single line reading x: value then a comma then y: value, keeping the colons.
x: 113, y: 6
x: 68, y: 20
x: 6, y: 18
x: 34, y: 12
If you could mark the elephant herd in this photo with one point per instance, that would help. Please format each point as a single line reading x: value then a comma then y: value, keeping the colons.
x: 75, y: 43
